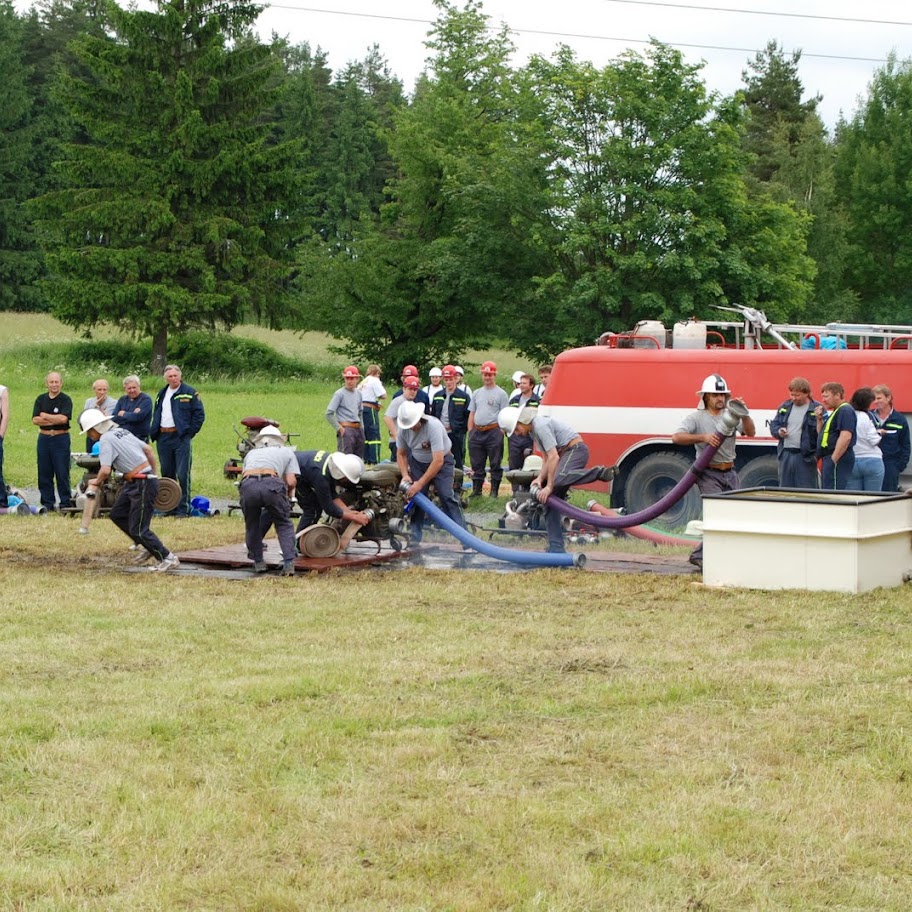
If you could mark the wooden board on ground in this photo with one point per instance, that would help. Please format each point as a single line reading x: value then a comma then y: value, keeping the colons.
x: 359, y: 555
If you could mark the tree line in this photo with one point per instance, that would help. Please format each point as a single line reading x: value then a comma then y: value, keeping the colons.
x: 167, y: 170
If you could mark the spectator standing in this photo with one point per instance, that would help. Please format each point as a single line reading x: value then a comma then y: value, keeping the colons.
x: 519, y: 444
x: 460, y: 381
x: 451, y: 408
x: 52, y: 414
x: 544, y: 375
x: 435, y: 385
x: 795, y: 428
x: 101, y: 400
x: 372, y: 393
x: 409, y: 374
x: 486, y: 440
x: 344, y: 414
x: 894, y: 437
x: 835, y: 437
x: 868, y: 472
x: 4, y: 424
x: 177, y: 418
x: 134, y: 409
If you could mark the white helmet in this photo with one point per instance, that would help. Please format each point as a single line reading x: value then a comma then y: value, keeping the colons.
x: 345, y: 465
x: 410, y: 413
x: 270, y: 431
x: 95, y: 418
x: 509, y: 417
x: 518, y: 375
x: 714, y: 383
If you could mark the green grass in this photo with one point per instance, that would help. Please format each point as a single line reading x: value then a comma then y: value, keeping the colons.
x: 418, y: 740
x: 428, y: 740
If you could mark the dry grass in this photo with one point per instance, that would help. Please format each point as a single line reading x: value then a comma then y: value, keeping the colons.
x: 421, y: 740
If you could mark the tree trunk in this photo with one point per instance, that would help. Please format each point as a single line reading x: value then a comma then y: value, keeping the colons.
x: 159, y: 351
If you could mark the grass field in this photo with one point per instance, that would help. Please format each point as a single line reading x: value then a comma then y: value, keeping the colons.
x: 417, y: 740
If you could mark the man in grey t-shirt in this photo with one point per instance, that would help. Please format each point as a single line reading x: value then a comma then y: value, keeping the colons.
x: 425, y: 459
x: 701, y: 429
x: 344, y: 414
x: 486, y: 442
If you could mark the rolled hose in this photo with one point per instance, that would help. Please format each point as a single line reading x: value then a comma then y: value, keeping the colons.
x: 527, y: 558
x: 732, y: 414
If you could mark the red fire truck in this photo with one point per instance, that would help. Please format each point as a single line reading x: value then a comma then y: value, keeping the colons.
x: 627, y: 394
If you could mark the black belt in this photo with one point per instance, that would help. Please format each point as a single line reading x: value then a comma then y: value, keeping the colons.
x: 790, y: 450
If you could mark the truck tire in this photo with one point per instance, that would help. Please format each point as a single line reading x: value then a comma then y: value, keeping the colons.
x: 762, y: 472
x: 652, y: 478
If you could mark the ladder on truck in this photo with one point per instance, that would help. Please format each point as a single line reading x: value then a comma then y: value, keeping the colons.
x: 748, y: 333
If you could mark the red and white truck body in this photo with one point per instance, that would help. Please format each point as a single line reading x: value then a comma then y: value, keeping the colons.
x: 627, y: 403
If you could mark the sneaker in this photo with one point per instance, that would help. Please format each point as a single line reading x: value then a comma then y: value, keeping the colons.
x: 143, y: 557
x: 260, y: 567
x: 83, y: 530
x: 169, y: 563
x: 288, y: 568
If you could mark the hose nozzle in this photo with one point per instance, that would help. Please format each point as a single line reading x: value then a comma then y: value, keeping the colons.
x: 731, y: 416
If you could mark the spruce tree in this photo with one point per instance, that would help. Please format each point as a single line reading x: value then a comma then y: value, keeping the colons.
x: 172, y: 211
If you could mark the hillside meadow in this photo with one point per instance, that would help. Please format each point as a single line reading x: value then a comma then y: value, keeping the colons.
x: 418, y: 740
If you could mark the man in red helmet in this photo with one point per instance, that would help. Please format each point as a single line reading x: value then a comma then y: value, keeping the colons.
x: 344, y: 414
x: 486, y: 441
x: 451, y: 406
x: 409, y: 373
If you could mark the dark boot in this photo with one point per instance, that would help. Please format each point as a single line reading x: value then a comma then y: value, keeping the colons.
x: 495, y: 489
x: 477, y: 485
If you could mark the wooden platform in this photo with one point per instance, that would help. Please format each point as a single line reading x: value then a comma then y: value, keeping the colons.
x: 362, y: 555
x: 234, y: 557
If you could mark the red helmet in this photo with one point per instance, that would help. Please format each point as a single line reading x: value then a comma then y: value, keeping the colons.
x: 351, y: 371
x: 489, y: 367
x: 410, y: 371
x: 411, y: 383
x: 448, y: 371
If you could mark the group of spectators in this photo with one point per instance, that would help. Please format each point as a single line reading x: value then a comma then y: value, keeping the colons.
x: 861, y: 444
x: 172, y: 420
x: 468, y: 418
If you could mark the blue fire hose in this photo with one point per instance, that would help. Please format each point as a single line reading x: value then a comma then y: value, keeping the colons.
x: 527, y: 558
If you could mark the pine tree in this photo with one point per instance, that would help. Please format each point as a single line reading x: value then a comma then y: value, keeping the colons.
x: 173, y: 212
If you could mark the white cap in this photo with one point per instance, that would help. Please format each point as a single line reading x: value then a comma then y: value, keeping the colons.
x: 518, y: 375
x: 435, y: 372
x: 346, y: 465
x: 410, y: 413
x: 95, y: 418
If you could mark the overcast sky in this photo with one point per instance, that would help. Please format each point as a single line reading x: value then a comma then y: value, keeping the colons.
x: 599, y: 30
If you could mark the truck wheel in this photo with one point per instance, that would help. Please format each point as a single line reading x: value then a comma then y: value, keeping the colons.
x: 762, y: 472
x: 651, y: 479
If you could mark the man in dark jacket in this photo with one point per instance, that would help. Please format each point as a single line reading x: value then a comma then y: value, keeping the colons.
x: 134, y: 409
x: 795, y: 427
x: 451, y: 408
x: 177, y: 418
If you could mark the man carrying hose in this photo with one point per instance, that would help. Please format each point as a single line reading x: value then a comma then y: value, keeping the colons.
x: 564, y: 464
x: 425, y: 458
x: 700, y: 429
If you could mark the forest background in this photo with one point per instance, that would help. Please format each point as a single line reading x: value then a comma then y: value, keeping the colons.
x: 166, y: 171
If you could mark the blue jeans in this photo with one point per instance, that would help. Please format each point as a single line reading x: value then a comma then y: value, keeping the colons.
x: 175, y: 455
x: 867, y: 475
x: 54, y: 465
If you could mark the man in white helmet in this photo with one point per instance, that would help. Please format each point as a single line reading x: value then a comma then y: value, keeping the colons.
x: 268, y: 480
x: 564, y: 463
x: 425, y: 458
x: 700, y: 429
x: 320, y: 473
x: 133, y: 509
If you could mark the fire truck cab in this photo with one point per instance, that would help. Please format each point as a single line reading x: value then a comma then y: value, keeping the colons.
x: 627, y: 394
